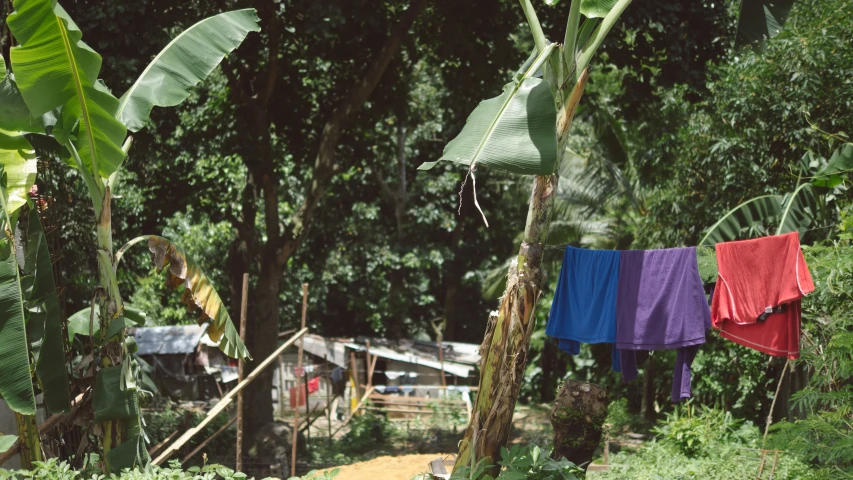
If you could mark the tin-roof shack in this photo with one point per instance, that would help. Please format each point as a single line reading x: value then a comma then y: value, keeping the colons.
x: 185, y: 364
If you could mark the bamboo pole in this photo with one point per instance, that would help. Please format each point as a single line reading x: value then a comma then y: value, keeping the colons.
x: 241, y: 366
x: 227, y: 399
x: 352, y: 414
x: 299, y: 367
x: 210, y: 438
x: 329, y: 398
x: 281, y: 387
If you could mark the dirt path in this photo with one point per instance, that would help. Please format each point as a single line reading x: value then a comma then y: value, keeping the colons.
x: 402, y: 467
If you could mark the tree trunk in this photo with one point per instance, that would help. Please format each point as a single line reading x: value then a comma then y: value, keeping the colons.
x: 504, y: 350
x: 507, y: 339
x: 578, y: 417
x: 262, y: 190
x: 28, y: 440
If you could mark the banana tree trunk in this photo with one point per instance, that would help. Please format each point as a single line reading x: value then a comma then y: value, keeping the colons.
x: 504, y: 349
x: 111, y: 306
x: 29, y: 440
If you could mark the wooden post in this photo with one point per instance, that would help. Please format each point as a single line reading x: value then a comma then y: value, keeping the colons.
x: 298, y: 367
x: 307, y: 415
x: 241, y: 367
x: 369, y: 381
x: 356, y: 391
x: 329, y: 401
x: 281, y: 387
x: 438, y: 327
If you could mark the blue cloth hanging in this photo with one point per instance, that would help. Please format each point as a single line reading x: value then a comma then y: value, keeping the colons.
x: 584, y: 307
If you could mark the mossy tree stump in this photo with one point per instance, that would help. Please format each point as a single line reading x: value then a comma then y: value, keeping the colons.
x: 578, y: 419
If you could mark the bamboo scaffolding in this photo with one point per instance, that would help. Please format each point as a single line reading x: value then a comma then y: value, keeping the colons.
x: 227, y: 399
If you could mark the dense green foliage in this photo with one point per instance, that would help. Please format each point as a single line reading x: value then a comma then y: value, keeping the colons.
x: 701, y: 443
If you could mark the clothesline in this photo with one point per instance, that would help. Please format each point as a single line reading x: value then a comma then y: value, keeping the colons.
x: 563, y: 247
x: 641, y: 300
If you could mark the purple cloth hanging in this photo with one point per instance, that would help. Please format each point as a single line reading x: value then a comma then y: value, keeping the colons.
x: 661, y: 305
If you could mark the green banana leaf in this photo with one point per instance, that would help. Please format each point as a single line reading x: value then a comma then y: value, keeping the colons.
x: 186, y: 61
x: 16, y: 385
x: 839, y: 164
x: 597, y: 8
x: 19, y: 161
x: 748, y: 214
x: 14, y: 114
x: 132, y: 452
x: 799, y: 209
x: 199, y: 294
x: 794, y: 212
x: 7, y: 442
x: 44, y: 325
x: 78, y: 324
x: 111, y: 400
x: 760, y: 20
x: 515, y: 132
x: 54, y: 69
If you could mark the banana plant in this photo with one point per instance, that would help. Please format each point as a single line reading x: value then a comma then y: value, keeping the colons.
x: 54, y: 90
x: 797, y: 211
x: 525, y: 131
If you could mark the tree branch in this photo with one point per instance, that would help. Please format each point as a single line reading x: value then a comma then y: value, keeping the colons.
x: 268, y: 9
x: 325, y: 166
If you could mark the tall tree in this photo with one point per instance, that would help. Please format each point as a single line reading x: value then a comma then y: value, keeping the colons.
x: 252, y: 90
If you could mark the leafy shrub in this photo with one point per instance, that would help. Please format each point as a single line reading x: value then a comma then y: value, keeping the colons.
x: 524, y: 462
x: 824, y: 437
x: 56, y: 470
x: 619, y: 419
x: 368, y: 432
x: 693, y: 433
x: 659, y: 461
x: 706, y: 444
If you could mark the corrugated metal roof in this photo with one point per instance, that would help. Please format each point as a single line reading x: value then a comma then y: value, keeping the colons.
x: 332, y: 350
x: 171, y: 340
x: 452, y: 368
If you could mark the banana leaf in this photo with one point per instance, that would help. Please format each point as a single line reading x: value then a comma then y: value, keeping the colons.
x: 44, y: 325
x: 19, y: 161
x: 597, y: 8
x: 760, y: 20
x: 7, y: 442
x: 132, y: 452
x: 14, y: 114
x: 78, y: 323
x: 186, y: 61
x: 839, y: 164
x: 199, y: 295
x: 515, y: 132
x: 800, y: 209
x: 54, y: 69
x: 111, y: 401
x: 794, y: 212
x: 16, y: 385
